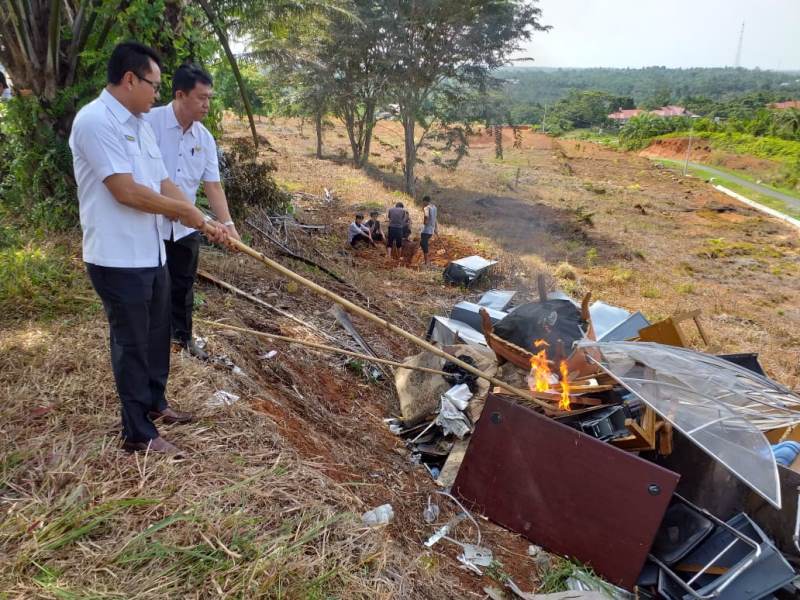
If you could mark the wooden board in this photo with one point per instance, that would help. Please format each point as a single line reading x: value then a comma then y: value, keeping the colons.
x: 563, y: 490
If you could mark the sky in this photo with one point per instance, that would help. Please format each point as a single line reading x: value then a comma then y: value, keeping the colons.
x: 671, y: 33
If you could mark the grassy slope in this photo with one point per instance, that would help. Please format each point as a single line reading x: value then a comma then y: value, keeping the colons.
x: 780, y: 150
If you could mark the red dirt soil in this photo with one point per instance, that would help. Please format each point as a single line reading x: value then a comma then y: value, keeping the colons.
x: 702, y: 152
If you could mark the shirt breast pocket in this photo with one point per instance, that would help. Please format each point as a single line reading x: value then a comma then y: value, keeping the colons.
x: 195, y: 166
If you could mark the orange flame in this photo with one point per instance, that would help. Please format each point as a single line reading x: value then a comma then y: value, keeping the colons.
x: 541, y: 379
x: 540, y: 370
x: 563, y: 404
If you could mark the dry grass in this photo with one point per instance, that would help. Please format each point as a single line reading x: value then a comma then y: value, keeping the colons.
x: 245, y: 516
x: 268, y: 503
x: 655, y: 242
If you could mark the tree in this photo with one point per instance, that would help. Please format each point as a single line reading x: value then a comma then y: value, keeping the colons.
x: 55, y: 52
x: 455, y: 41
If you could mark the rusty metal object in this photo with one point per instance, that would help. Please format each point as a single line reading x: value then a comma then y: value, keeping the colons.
x: 563, y: 490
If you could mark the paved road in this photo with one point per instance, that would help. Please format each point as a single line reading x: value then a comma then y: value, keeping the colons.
x: 789, y: 200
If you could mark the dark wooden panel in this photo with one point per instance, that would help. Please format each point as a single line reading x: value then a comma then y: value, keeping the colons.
x: 563, y: 490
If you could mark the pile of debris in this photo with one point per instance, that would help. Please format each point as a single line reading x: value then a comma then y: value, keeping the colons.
x: 668, y: 471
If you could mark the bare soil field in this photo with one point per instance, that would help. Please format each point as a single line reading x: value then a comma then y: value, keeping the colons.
x: 701, y: 151
x: 272, y: 495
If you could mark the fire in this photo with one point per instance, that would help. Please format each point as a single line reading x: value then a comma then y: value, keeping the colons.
x: 542, y: 378
x: 540, y: 370
x: 563, y: 404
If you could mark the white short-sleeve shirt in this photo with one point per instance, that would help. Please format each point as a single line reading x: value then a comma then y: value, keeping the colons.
x: 107, y: 139
x: 190, y: 156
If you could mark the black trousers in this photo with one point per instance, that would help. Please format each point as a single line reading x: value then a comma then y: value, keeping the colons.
x: 136, y: 302
x: 359, y: 238
x: 182, y: 264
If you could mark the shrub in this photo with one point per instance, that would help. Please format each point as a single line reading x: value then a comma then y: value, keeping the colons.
x: 566, y: 271
x: 36, y: 183
x: 249, y: 182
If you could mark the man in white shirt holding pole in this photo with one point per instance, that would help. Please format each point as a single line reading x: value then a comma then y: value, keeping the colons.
x: 126, y: 203
x: 190, y: 156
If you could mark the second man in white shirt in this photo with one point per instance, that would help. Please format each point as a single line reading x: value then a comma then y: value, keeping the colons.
x: 190, y: 156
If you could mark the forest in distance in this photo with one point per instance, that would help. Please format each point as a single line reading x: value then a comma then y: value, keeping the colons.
x: 545, y: 85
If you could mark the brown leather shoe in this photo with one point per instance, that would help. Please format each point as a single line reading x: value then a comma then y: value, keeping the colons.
x: 171, y: 417
x: 157, y: 445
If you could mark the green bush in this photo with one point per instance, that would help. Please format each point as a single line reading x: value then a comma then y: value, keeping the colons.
x: 249, y: 182
x: 36, y: 183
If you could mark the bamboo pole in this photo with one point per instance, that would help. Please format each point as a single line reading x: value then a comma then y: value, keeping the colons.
x: 255, y: 300
x: 283, y: 338
x: 355, y: 309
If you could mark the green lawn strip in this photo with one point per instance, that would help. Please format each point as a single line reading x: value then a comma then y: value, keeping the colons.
x: 752, y: 179
x: 758, y: 197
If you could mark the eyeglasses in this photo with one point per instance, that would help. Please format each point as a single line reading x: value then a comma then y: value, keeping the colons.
x: 156, y: 86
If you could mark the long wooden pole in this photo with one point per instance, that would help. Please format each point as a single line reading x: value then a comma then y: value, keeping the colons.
x: 255, y: 300
x: 356, y: 309
x: 290, y: 340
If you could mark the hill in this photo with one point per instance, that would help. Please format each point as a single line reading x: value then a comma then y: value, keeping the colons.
x: 544, y: 85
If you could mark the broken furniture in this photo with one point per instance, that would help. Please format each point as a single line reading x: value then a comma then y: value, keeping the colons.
x: 556, y: 323
x: 466, y: 271
x: 497, y: 299
x: 470, y: 313
x: 611, y: 323
x: 711, y: 558
x: 669, y: 330
x: 446, y: 332
x: 716, y: 404
x: 563, y: 489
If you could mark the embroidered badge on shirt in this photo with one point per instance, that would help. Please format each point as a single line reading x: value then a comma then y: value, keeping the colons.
x: 130, y: 138
x: 196, y: 149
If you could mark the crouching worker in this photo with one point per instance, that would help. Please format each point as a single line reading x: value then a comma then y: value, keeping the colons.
x: 126, y: 204
x: 374, y: 227
x: 358, y: 233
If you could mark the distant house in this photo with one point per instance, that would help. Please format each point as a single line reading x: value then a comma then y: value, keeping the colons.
x: 672, y: 111
x: 785, y: 105
x: 622, y: 116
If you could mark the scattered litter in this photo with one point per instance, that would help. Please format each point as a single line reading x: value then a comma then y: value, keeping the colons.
x: 451, y: 419
x: 459, y: 395
x: 382, y: 515
x: 534, y: 550
x: 226, y: 362
x: 494, y: 593
x: 395, y: 425
x: 431, y: 512
x: 268, y: 355
x: 584, y: 581
x: 200, y: 342
x: 480, y: 556
x: 445, y: 529
x: 222, y: 398
x: 434, y: 471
